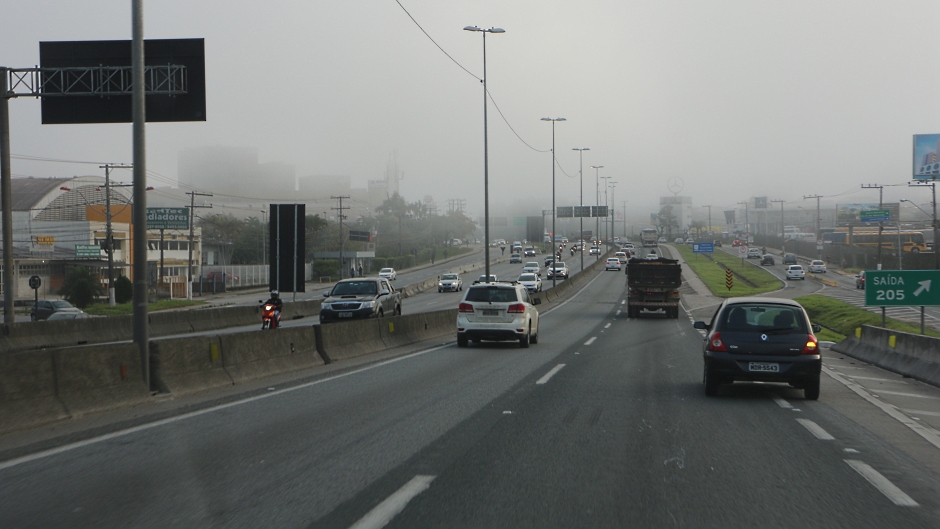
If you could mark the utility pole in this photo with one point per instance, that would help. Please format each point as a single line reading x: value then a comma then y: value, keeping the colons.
x: 192, y: 225
x: 881, y: 225
x: 709, y: 219
x: 933, y: 202
x: 818, y: 219
x: 624, y: 219
x: 782, y: 230
x: 341, y: 216
x: 109, y: 233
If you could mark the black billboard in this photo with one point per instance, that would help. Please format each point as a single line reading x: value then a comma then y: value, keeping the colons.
x: 598, y: 211
x: 66, y: 109
x: 361, y: 236
x: 564, y: 212
x: 287, y: 232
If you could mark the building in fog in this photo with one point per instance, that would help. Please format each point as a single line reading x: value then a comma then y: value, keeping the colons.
x: 235, y: 171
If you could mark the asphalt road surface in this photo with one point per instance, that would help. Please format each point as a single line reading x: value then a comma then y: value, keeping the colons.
x: 603, y: 423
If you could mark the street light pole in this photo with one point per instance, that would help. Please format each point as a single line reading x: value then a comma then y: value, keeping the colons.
x: 486, y: 155
x: 782, y: 229
x: 581, y: 199
x: 606, y: 235
x: 109, y: 233
x: 613, y: 217
x: 597, y: 199
x: 747, y: 231
x: 553, y: 120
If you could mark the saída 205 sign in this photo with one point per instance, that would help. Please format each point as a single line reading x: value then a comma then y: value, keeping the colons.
x: 909, y: 288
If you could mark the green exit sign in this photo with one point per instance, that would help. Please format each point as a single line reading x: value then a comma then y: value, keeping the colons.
x: 907, y: 288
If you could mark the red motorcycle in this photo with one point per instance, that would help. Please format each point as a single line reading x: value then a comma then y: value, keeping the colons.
x: 270, y: 317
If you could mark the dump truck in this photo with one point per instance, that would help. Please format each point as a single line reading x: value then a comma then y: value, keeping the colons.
x: 653, y: 284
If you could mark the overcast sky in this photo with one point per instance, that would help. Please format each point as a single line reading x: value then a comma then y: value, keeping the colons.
x: 739, y: 98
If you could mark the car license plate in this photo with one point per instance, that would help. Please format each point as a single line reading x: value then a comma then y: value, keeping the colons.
x: 491, y: 313
x: 766, y: 367
x: 344, y: 315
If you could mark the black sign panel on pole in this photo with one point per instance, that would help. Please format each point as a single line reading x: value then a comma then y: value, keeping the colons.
x: 64, y: 109
x: 360, y: 236
x: 287, y: 232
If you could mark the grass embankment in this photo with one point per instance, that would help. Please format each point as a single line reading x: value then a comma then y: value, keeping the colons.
x: 103, y: 309
x: 841, y: 319
x: 714, y: 276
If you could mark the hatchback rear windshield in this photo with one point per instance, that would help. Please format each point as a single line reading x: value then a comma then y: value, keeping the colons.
x: 763, y: 318
x: 493, y: 294
x: 355, y: 288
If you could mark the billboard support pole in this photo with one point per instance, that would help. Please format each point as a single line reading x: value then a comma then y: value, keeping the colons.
x: 141, y: 332
x: 6, y: 189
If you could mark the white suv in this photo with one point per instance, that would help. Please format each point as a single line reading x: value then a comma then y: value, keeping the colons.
x: 795, y: 272
x: 497, y: 312
x: 613, y: 263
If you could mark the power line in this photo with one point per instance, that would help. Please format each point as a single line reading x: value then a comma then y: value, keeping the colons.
x: 435, y: 42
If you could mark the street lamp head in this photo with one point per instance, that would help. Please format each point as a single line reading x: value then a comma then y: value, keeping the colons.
x: 472, y: 28
x: 491, y: 30
x: 554, y: 119
x: 496, y: 30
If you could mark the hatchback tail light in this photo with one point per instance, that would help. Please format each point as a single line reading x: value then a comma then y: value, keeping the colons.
x: 516, y: 308
x: 715, y: 343
x: 811, y: 347
x: 465, y: 307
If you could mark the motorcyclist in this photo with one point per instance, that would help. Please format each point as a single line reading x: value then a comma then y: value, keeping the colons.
x: 278, y: 303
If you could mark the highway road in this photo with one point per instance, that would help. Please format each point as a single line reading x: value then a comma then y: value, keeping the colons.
x: 603, y: 423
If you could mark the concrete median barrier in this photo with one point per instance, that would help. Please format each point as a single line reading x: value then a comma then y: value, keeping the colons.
x: 301, y: 309
x: 912, y: 355
x: 187, y: 365
x: 97, y: 378
x: 349, y: 339
x: 251, y: 355
x: 406, y: 330
x: 27, y: 391
x: 62, y: 333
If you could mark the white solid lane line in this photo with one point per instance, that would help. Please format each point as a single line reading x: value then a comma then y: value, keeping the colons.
x: 816, y: 430
x: 876, y: 379
x: 923, y: 412
x: 547, y: 376
x: 782, y: 403
x: 394, y: 504
x: 896, y: 495
x: 607, y: 326
x: 591, y: 340
x: 915, y: 395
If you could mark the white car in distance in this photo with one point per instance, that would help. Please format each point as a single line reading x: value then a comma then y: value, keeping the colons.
x: 532, y: 267
x: 531, y: 282
x: 613, y: 263
x: 817, y: 267
x: 795, y: 272
x: 388, y: 273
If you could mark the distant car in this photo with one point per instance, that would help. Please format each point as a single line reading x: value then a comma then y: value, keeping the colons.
x: 737, y: 242
x: 622, y: 256
x: 767, y: 260
x: 388, y: 273
x: 450, y: 283
x: 45, y: 308
x: 652, y: 256
x: 595, y: 250
x: 532, y: 267
x: 678, y: 240
x: 761, y: 339
x: 613, y: 263
x: 629, y: 246
x: 216, y: 277
x: 817, y: 267
x: 557, y: 270
x: 68, y: 315
x: 789, y: 258
x: 795, y: 272
x: 529, y: 251
x: 531, y: 282
x: 482, y: 279
x: 860, y: 280
x: 689, y: 240
x: 662, y: 239
x: 497, y: 312
x: 717, y: 243
x: 753, y: 253
x: 515, y: 258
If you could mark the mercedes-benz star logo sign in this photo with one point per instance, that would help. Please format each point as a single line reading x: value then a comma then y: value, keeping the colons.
x: 675, y: 185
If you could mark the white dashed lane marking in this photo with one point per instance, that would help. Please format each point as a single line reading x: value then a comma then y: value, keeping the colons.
x: 394, y: 504
x: 547, y: 376
x: 883, y: 484
x: 816, y: 430
x: 591, y: 340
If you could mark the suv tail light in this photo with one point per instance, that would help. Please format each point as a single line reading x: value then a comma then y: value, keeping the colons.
x: 715, y: 343
x: 516, y: 308
x: 465, y: 307
x: 811, y: 347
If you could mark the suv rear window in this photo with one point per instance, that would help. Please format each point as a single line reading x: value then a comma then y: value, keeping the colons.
x: 492, y: 293
x: 763, y: 318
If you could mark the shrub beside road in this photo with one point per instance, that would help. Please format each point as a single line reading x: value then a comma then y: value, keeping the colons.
x: 842, y: 319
